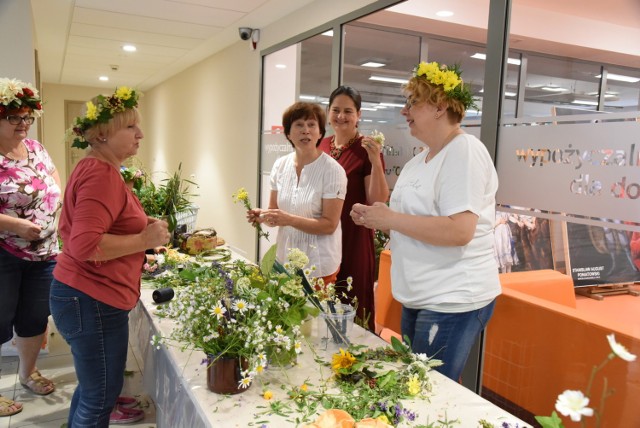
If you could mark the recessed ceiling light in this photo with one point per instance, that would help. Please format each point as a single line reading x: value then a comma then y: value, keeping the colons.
x: 281, y: 66
x: 307, y: 97
x: 104, y: 78
x: 373, y: 64
x: 388, y: 79
x: 328, y: 33
x: 510, y: 94
x: 129, y: 48
x: 621, y: 78
x: 478, y: 55
x: 368, y: 109
x: 444, y: 13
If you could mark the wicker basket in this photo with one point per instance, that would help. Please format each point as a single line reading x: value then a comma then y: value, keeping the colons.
x: 188, y: 218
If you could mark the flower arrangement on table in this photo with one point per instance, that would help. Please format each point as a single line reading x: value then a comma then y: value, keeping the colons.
x: 240, y: 310
x: 367, y: 388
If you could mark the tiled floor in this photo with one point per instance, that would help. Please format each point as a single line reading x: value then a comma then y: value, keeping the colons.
x: 51, y: 411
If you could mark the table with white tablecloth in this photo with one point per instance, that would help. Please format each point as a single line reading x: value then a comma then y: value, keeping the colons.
x: 177, y: 381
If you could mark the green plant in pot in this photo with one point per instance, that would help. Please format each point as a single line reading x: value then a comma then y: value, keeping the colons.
x: 168, y: 198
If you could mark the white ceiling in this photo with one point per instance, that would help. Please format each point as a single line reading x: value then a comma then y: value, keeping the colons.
x: 80, y: 40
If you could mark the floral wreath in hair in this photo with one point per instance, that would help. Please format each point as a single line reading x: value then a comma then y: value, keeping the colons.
x: 449, y: 78
x: 122, y: 99
x: 16, y: 94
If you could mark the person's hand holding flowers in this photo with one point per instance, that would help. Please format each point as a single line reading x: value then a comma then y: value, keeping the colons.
x: 253, y: 215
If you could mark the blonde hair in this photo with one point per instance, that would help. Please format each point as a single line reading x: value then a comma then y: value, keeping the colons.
x: 420, y: 89
x: 118, y: 121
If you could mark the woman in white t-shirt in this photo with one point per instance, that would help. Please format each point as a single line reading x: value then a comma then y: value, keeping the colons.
x: 440, y: 218
x: 308, y: 188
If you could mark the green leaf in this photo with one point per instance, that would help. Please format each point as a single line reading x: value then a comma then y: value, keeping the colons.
x: 266, y: 266
x: 552, y: 421
x: 397, y: 345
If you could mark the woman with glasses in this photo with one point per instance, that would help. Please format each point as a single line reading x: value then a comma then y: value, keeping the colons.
x: 441, y: 217
x: 29, y: 203
x: 362, y: 160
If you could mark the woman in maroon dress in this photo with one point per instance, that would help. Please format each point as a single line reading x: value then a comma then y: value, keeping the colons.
x: 363, y: 162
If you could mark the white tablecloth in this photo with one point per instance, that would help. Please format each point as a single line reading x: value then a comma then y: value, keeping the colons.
x: 177, y: 382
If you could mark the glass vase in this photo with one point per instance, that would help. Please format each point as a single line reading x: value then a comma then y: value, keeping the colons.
x: 225, y: 373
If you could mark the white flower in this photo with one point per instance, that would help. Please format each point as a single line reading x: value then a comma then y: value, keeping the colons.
x: 573, y: 404
x: 619, y: 349
x: 219, y: 310
x: 240, y: 305
x: 378, y: 137
x: 245, y: 382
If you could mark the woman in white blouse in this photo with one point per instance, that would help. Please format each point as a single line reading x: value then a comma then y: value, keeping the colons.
x: 308, y: 188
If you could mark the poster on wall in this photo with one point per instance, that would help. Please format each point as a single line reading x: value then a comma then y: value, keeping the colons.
x: 522, y: 242
x: 603, y: 255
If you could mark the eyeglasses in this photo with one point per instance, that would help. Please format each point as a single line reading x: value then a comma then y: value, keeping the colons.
x: 15, y: 120
x: 410, y: 103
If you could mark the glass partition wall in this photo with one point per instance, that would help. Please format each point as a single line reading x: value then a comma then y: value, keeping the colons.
x: 566, y: 143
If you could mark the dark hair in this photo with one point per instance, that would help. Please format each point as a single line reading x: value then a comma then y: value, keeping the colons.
x: 348, y: 91
x: 302, y: 110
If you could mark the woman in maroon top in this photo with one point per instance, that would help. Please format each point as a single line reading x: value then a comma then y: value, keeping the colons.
x: 105, y: 233
x: 363, y: 162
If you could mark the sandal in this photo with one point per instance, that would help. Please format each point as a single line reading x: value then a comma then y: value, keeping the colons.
x: 126, y: 402
x: 38, y: 384
x: 6, y: 406
x: 120, y: 416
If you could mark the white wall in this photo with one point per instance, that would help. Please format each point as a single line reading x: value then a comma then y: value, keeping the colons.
x: 207, y: 117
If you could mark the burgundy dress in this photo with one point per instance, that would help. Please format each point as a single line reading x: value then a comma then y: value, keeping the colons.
x: 358, y: 251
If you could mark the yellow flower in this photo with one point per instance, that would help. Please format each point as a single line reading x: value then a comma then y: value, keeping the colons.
x: 303, y: 387
x: 343, y: 360
x: 92, y: 111
x: 413, y: 385
x: 123, y: 93
x: 383, y: 418
x: 241, y: 195
x: 268, y: 395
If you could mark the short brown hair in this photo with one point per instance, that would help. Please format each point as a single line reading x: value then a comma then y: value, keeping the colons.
x: 302, y: 110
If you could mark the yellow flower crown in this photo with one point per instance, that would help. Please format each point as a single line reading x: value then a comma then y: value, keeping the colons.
x: 122, y: 99
x: 450, y: 80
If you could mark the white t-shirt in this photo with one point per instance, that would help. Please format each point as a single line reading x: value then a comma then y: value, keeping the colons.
x: 323, y: 178
x: 461, y: 177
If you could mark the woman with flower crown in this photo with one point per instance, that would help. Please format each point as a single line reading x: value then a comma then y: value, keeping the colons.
x: 307, y: 193
x: 97, y: 279
x: 440, y: 219
x: 362, y: 160
x: 29, y: 203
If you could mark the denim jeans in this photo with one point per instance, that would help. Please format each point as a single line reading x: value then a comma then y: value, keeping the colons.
x: 24, y: 296
x: 98, y: 335
x: 445, y: 336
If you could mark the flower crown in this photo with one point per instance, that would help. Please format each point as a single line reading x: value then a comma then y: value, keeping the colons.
x: 123, y: 98
x: 16, y: 94
x: 450, y: 80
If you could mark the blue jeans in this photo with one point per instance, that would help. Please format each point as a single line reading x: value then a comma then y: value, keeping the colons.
x: 24, y: 296
x: 445, y: 336
x: 98, y: 335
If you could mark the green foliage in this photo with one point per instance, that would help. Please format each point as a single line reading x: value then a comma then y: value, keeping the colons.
x: 164, y: 201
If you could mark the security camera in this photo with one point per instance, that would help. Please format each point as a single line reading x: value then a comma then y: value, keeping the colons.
x: 245, y: 32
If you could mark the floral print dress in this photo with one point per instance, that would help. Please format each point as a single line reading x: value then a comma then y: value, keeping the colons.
x: 28, y: 190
